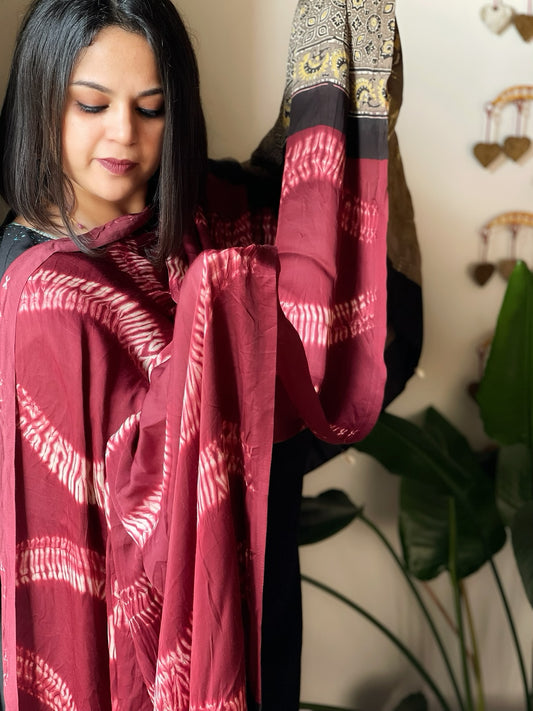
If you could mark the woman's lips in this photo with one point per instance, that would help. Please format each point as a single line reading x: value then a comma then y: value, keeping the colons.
x: 115, y: 166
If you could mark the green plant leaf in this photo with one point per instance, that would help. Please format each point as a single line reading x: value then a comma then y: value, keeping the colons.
x: 505, y: 394
x: 414, y: 702
x: 450, y: 440
x: 324, y: 515
x: 521, y: 535
x: 435, y: 463
x: 514, y: 482
x: 405, y: 449
x: 425, y: 532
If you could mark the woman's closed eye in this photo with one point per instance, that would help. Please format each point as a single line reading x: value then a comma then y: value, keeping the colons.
x: 91, y: 108
x: 150, y: 113
x: 141, y: 110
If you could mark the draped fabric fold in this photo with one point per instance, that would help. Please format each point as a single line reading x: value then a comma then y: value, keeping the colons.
x: 138, y: 409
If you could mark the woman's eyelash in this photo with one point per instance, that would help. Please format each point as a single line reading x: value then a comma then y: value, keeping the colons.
x: 89, y: 109
x: 147, y: 113
x: 150, y: 113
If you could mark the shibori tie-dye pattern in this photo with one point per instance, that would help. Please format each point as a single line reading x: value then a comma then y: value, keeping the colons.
x: 138, y: 410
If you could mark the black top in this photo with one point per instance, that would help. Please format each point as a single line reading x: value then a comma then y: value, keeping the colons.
x: 16, y: 239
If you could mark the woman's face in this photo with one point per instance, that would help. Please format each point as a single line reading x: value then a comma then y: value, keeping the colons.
x: 113, y: 126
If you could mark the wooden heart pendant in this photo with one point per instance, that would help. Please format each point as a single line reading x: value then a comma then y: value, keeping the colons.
x: 482, y: 272
x: 486, y: 153
x: 506, y: 266
x: 516, y: 146
x: 524, y: 25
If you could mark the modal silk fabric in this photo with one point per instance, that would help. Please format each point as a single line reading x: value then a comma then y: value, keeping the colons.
x: 138, y: 408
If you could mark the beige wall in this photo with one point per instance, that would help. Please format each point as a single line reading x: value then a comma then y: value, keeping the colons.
x: 10, y: 13
x: 453, y: 65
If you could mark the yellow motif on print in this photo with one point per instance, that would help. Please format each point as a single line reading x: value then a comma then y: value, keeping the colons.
x: 323, y: 65
x: 358, y: 4
x: 313, y: 66
x: 286, y: 112
x: 370, y: 95
x: 387, y: 49
x: 389, y: 7
x: 304, y: 9
x: 374, y: 23
x: 339, y: 64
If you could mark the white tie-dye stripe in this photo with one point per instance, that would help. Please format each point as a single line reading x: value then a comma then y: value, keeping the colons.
x: 142, y: 272
x: 111, y: 639
x: 141, y: 605
x: 323, y: 326
x: 134, y: 328
x: 213, y: 484
x: 81, y: 477
x: 216, y: 463
x: 38, y: 679
x: 319, y: 157
x: 118, y: 439
x: 177, y: 268
x: 190, y: 417
x: 237, y: 703
x: 56, y: 559
x: 360, y: 218
x: 135, y: 607
x: 173, y: 676
x: 142, y: 520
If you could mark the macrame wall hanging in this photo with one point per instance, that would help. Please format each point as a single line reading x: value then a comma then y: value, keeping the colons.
x: 516, y: 145
x: 508, y: 224
x: 506, y: 118
x: 498, y: 16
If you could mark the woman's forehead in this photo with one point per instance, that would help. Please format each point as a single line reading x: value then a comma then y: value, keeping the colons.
x: 117, y: 56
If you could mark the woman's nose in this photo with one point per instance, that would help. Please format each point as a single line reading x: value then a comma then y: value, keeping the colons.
x: 122, y: 125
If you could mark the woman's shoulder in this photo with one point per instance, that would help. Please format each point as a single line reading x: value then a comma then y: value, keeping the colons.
x: 15, y: 239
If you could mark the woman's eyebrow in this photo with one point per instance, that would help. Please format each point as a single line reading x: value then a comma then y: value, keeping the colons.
x: 98, y: 87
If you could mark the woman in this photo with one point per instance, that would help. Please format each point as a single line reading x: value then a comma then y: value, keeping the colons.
x: 38, y: 189
x: 145, y: 374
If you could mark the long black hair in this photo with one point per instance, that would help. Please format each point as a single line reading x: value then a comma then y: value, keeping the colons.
x: 51, y: 37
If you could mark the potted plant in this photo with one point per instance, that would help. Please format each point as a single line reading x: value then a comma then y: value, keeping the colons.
x: 457, y: 507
